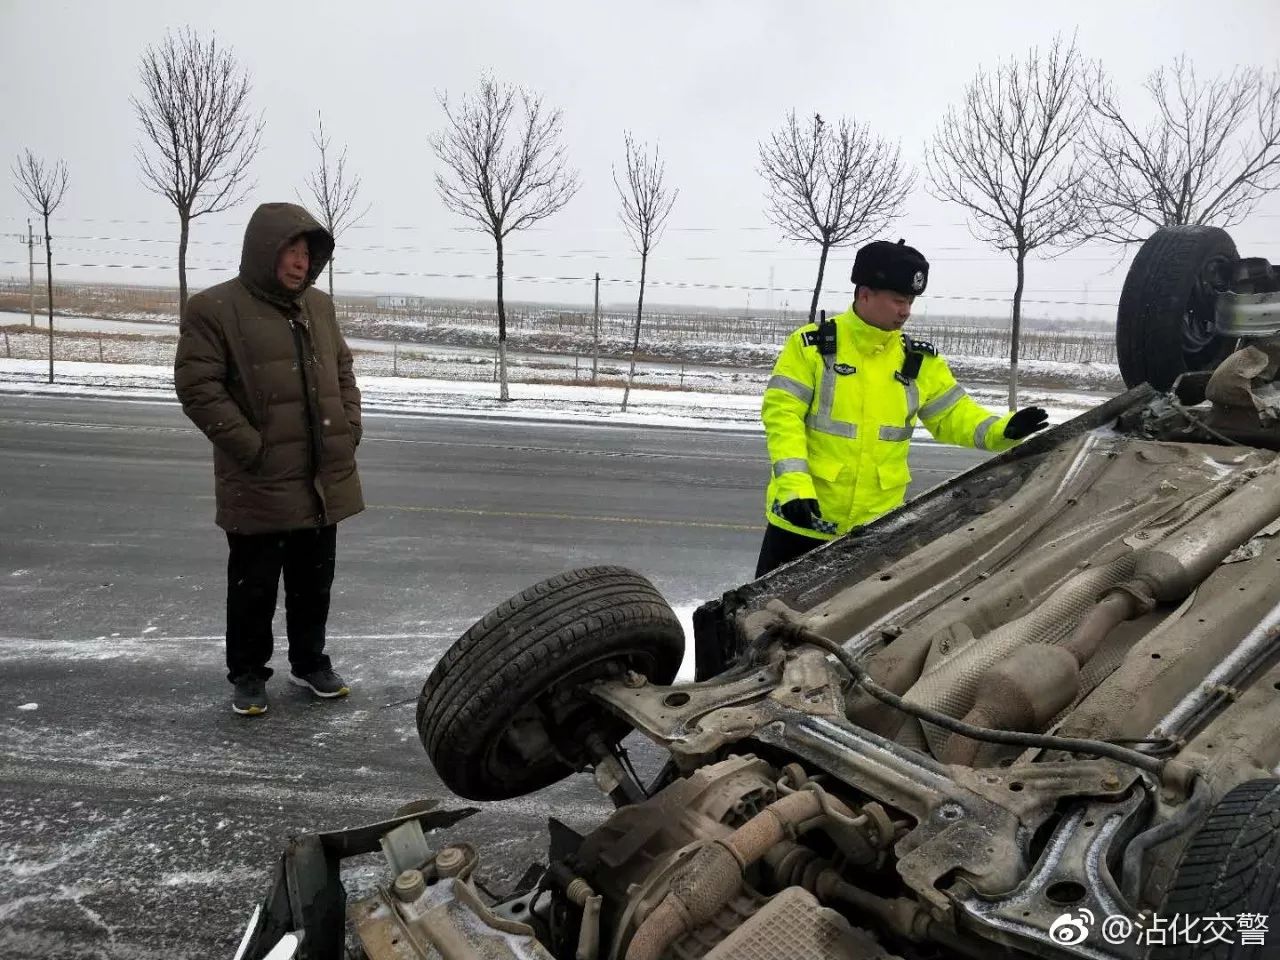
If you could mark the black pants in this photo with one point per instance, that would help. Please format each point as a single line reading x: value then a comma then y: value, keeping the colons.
x: 782, y: 546
x: 253, y: 575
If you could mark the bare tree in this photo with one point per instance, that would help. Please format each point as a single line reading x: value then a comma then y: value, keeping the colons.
x: 43, y: 187
x: 505, y: 170
x: 1209, y: 153
x: 334, y: 193
x: 832, y: 186
x: 1007, y: 154
x: 646, y: 204
x: 200, y: 135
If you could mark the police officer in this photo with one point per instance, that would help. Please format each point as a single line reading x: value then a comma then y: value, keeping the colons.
x: 841, y: 404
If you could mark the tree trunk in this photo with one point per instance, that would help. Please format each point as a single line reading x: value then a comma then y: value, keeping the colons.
x: 1016, y: 329
x: 330, y: 278
x: 48, y: 260
x: 817, y: 287
x: 184, y: 230
x: 635, y: 342
x: 503, y: 395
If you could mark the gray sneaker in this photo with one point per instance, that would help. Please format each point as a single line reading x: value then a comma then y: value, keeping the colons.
x: 323, y: 683
x: 250, y: 697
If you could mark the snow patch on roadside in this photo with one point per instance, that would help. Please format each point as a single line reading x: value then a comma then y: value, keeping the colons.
x: 571, y: 403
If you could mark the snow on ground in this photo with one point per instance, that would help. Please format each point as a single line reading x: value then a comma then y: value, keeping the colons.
x: 684, y: 613
x: 459, y: 349
x: 559, y: 401
x: 143, y: 323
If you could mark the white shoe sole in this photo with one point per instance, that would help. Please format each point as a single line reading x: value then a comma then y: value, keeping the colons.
x: 250, y: 711
x: 299, y: 682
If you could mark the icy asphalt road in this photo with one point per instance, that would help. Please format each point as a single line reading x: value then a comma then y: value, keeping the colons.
x: 139, y: 817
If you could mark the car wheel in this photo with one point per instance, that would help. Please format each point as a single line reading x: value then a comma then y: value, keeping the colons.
x: 1165, y: 322
x: 1230, y: 868
x: 499, y: 716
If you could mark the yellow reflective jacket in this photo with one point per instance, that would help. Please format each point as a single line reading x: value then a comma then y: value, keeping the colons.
x: 838, y: 427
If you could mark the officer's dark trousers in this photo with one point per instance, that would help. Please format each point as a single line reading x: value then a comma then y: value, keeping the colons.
x: 782, y: 546
x: 306, y: 557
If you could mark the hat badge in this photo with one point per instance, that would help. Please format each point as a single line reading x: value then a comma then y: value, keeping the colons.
x: 917, y: 282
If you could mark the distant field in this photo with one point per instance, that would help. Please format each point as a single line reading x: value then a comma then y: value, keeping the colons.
x: 977, y: 347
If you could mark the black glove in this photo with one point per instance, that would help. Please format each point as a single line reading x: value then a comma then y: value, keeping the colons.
x: 1026, y: 422
x: 802, y: 513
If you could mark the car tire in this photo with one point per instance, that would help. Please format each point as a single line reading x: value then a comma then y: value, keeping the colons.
x: 1165, y: 321
x: 497, y: 715
x: 1231, y: 867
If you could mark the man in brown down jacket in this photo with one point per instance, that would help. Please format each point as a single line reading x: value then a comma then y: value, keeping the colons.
x: 263, y: 370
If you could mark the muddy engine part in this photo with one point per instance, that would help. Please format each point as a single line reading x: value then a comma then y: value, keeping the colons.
x: 682, y: 874
x: 432, y: 911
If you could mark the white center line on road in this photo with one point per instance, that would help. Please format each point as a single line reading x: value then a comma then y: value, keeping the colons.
x: 521, y: 515
x: 93, y: 425
x: 570, y: 450
x: 523, y: 448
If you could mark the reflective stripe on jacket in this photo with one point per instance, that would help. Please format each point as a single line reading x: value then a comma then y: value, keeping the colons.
x: 838, y: 427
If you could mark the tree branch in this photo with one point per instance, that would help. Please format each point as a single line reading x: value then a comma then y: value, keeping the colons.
x: 1209, y: 154
x: 199, y: 138
x: 40, y: 185
x: 504, y: 166
x: 832, y: 186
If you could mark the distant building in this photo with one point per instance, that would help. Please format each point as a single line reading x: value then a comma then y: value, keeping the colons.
x: 392, y: 302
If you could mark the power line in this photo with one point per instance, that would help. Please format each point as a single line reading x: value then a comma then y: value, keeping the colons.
x: 534, y: 252
x: 239, y: 224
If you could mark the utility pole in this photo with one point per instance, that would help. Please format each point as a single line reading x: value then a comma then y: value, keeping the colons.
x: 595, y: 332
x: 31, y: 271
x: 30, y: 241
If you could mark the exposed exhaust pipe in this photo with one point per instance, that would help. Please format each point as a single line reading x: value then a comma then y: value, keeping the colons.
x: 1165, y: 572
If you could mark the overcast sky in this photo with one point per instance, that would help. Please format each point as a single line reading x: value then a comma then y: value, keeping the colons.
x: 707, y: 80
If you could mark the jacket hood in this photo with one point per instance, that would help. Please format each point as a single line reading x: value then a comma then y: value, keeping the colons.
x: 272, y: 227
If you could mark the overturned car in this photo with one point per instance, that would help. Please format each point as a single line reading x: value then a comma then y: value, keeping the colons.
x: 1032, y: 713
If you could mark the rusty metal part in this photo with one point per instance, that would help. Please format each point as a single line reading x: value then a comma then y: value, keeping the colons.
x: 715, y: 873
x: 1111, y: 611
x: 1181, y: 672
x: 795, y: 865
x: 970, y: 823
x: 1175, y: 566
x: 448, y: 920
x: 450, y: 861
x: 1089, y: 747
x: 1071, y: 874
x: 924, y: 577
x: 1181, y: 822
x: 410, y: 885
x: 951, y: 687
x: 631, y: 858
x: 1024, y: 692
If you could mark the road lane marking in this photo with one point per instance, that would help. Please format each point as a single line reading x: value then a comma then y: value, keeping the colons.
x: 496, y: 445
x: 584, y: 452
x: 522, y: 515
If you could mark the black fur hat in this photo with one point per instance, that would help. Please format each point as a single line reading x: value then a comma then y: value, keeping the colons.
x: 882, y: 265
